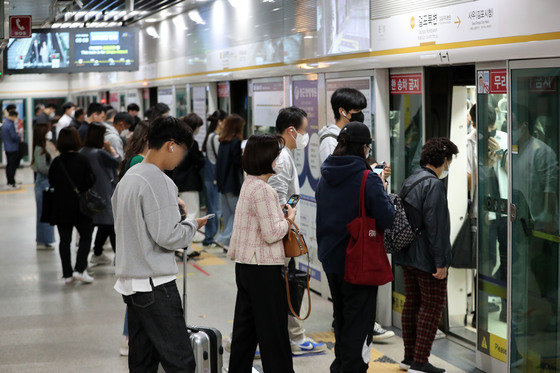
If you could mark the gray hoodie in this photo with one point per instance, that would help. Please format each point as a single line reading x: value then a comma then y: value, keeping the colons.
x: 328, y: 140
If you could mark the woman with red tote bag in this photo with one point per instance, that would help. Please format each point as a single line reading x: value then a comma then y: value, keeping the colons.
x: 353, y: 210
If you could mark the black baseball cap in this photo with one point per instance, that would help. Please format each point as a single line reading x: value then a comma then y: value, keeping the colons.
x: 355, y: 132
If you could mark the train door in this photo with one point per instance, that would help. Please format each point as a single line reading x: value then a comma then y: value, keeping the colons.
x: 406, y: 137
x: 239, y: 101
x: 492, y: 203
x: 533, y: 229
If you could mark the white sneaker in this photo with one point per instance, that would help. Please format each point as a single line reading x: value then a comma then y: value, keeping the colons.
x: 309, y: 346
x: 68, y: 280
x: 380, y: 334
x: 100, y: 260
x: 14, y: 187
x: 83, y: 277
x: 42, y: 246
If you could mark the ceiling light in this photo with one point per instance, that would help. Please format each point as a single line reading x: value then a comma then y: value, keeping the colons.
x: 56, y: 25
x: 194, y: 15
x: 152, y: 32
x: 151, y: 20
x: 179, y: 22
x: 309, y: 37
x: 275, y: 9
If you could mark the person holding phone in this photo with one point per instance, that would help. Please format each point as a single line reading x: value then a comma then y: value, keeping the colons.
x: 149, y: 230
x: 337, y: 198
x: 291, y: 125
x: 261, y: 307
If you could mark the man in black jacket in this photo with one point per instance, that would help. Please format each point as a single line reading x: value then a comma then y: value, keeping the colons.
x: 426, y: 261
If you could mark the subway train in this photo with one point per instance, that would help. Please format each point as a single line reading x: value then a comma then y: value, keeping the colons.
x: 422, y: 73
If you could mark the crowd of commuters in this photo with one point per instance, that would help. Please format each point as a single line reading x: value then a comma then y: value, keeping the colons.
x: 149, y: 172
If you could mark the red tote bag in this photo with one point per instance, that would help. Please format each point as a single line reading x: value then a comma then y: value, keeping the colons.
x: 366, y: 260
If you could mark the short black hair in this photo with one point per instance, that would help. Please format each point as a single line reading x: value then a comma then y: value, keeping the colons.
x: 260, y: 152
x: 490, y: 116
x: 472, y: 113
x: 133, y: 107
x: 94, y: 108
x: 436, y: 150
x: 348, y: 99
x: 288, y: 117
x: 79, y: 112
x: 192, y: 120
x: 95, y: 136
x: 123, y: 116
x: 67, y: 105
x: 51, y: 106
x: 165, y: 129
x: 13, y: 113
x: 39, y: 107
x: 10, y: 107
x: 110, y: 114
x: 68, y: 140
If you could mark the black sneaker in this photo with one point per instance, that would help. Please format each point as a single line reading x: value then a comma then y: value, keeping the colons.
x: 424, y: 368
x: 405, y: 364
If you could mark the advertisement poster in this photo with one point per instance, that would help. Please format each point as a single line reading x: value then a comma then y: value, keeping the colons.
x: 268, y: 99
x: 345, y: 26
x: 199, y: 107
x: 361, y: 84
x: 305, y: 96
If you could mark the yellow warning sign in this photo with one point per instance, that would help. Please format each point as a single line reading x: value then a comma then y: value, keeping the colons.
x: 498, y: 348
x: 398, y: 302
x: 484, y: 343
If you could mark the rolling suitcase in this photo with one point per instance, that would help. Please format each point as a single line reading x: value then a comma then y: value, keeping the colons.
x: 206, y: 342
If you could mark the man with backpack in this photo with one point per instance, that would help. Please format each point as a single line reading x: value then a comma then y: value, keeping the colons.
x: 426, y: 259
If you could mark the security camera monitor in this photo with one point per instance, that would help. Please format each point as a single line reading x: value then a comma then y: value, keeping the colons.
x: 105, y: 50
x: 44, y: 52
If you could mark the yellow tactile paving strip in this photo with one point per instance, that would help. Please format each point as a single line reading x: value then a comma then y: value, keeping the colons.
x: 20, y: 190
x: 378, y: 362
x: 206, y: 258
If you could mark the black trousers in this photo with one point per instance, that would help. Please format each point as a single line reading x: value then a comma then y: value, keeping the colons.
x: 158, y: 332
x: 354, y: 317
x: 261, y: 317
x: 104, y: 232
x: 85, y: 230
x: 12, y: 164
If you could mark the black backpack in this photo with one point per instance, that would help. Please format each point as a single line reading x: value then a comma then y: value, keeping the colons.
x: 402, y: 234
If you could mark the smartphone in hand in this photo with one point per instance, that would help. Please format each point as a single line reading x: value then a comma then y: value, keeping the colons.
x: 293, y: 201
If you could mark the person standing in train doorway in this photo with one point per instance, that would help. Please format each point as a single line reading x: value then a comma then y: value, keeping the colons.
x: 347, y: 105
x: 292, y: 125
x: 426, y: 260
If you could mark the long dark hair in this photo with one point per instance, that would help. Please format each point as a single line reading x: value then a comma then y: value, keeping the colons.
x: 216, y: 116
x: 233, y: 128
x: 40, y: 131
x: 136, y: 145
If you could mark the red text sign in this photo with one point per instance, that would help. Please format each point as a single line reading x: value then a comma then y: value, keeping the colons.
x: 498, y: 81
x: 406, y: 84
x: 20, y: 26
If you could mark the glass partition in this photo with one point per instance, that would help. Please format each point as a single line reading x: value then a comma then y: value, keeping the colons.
x: 535, y: 332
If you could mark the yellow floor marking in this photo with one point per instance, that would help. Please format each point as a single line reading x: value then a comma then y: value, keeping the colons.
x: 206, y: 258
x: 188, y: 274
x: 378, y: 363
x: 21, y: 190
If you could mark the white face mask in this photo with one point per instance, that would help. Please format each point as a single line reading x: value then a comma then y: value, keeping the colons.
x: 48, y: 136
x: 72, y: 113
x: 444, y: 173
x: 301, y: 140
x: 51, y: 115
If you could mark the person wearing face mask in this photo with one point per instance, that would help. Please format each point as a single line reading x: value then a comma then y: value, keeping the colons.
x: 291, y: 125
x: 68, y: 109
x: 95, y: 114
x: 337, y: 195
x: 347, y: 105
x: 426, y: 260
x: 187, y: 175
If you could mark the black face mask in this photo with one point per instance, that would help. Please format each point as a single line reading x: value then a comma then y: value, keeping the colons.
x: 357, y: 117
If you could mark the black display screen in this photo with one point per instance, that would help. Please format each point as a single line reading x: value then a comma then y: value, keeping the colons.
x: 102, y: 50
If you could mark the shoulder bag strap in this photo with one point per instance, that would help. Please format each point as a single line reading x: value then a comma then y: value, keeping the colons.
x: 403, y: 194
x: 308, y: 293
x: 69, y: 178
x: 362, y: 212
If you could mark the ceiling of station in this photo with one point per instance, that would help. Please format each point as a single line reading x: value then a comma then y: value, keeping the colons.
x: 88, y: 13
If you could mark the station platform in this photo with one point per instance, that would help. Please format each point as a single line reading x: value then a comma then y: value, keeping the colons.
x: 47, y: 326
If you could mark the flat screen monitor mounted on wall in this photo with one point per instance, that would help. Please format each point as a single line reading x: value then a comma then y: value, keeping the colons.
x: 72, y: 51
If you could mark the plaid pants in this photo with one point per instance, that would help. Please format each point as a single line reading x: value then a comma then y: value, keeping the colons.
x: 425, y: 300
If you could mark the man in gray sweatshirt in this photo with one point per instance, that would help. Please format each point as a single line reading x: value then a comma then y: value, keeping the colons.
x: 149, y: 230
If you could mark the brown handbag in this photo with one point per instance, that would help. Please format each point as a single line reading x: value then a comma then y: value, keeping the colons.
x: 294, y: 246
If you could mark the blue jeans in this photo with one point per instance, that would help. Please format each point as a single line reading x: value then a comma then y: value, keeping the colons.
x: 213, y: 203
x: 229, y: 202
x: 45, y: 231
